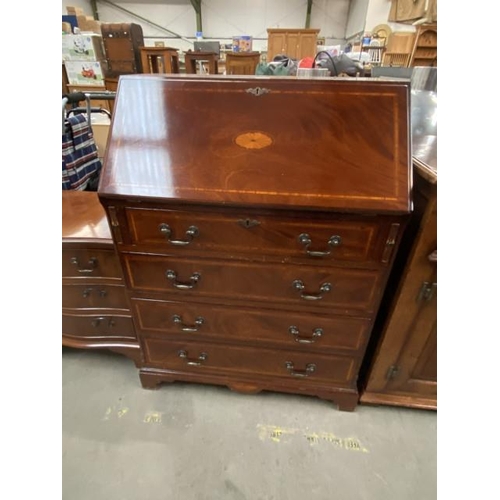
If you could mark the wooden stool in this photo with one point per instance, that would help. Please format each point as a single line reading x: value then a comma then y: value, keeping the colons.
x: 191, y: 58
x: 159, y: 60
x: 242, y: 63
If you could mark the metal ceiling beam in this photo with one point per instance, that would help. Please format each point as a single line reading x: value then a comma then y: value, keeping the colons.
x: 95, y: 13
x: 197, y: 8
x: 151, y: 23
x: 308, y: 13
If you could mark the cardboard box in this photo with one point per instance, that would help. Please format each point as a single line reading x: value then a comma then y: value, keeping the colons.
x: 74, y: 11
x: 242, y: 43
x: 93, y: 27
x: 82, y: 48
x: 100, y: 128
x: 86, y: 72
x: 72, y: 21
x: 88, y: 24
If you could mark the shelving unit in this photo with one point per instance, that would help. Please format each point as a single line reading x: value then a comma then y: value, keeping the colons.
x: 425, y: 49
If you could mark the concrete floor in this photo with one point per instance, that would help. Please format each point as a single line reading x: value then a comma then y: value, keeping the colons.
x: 195, y: 442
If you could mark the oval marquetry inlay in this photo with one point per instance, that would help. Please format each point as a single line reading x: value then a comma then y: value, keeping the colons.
x: 253, y: 140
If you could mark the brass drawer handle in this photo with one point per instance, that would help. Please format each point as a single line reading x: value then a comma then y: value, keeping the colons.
x: 197, y: 324
x: 299, y: 285
x: 97, y: 321
x: 88, y: 291
x: 305, y: 239
x: 310, y: 368
x: 201, y: 358
x: 317, y: 332
x: 92, y: 263
x: 191, y: 233
x: 172, y: 275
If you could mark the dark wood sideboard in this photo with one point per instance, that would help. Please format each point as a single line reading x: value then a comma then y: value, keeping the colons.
x: 95, y: 310
x: 401, y: 368
x: 256, y: 221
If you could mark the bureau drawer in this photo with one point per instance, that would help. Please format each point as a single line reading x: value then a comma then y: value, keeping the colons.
x: 93, y: 295
x: 88, y: 262
x: 209, y: 358
x: 106, y: 326
x: 214, y: 322
x: 360, y: 239
x: 345, y: 289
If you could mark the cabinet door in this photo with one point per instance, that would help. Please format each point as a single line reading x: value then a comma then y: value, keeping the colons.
x: 276, y: 45
x: 293, y: 45
x: 307, y: 45
x: 415, y: 372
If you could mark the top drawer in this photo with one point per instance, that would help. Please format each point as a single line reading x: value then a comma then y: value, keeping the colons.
x: 352, y: 239
x: 90, y: 263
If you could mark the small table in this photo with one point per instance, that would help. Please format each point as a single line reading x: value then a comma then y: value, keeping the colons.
x: 191, y: 58
x: 159, y: 60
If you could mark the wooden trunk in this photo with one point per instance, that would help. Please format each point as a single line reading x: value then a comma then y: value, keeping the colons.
x: 122, y: 43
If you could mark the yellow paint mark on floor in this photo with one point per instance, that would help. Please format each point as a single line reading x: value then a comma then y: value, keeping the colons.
x: 277, y: 434
x: 152, y: 417
x: 274, y: 432
x: 112, y: 411
x: 122, y: 412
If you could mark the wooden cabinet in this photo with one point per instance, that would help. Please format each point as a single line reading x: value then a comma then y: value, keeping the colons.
x: 95, y: 310
x: 255, y: 252
x: 403, y: 371
x: 295, y: 43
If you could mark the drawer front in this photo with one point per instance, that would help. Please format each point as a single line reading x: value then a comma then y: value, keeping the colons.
x: 209, y: 358
x: 214, y: 322
x: 109, y: 326
x: 166, y: 231
x: 279, y: 284
x: 94, y: 296
x: 90, y: 263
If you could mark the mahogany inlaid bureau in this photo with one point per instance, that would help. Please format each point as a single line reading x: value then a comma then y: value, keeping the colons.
x: 256, y: 220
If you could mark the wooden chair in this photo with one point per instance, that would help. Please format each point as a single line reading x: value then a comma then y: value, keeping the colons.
x: 242, y: 63
x: 159, y: 60
x: 191, y: 58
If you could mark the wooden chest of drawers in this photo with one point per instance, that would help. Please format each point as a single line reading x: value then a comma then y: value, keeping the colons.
x: 256, y: 223
x: 95, y: 310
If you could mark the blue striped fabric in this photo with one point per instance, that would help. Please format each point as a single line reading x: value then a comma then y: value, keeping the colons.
x: 80, y: 161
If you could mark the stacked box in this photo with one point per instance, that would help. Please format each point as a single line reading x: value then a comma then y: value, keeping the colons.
x: 84, y: 59
x: 74, y: 11
x: 82, y: 48
x: 86, y: 72
x: 242, y: 43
